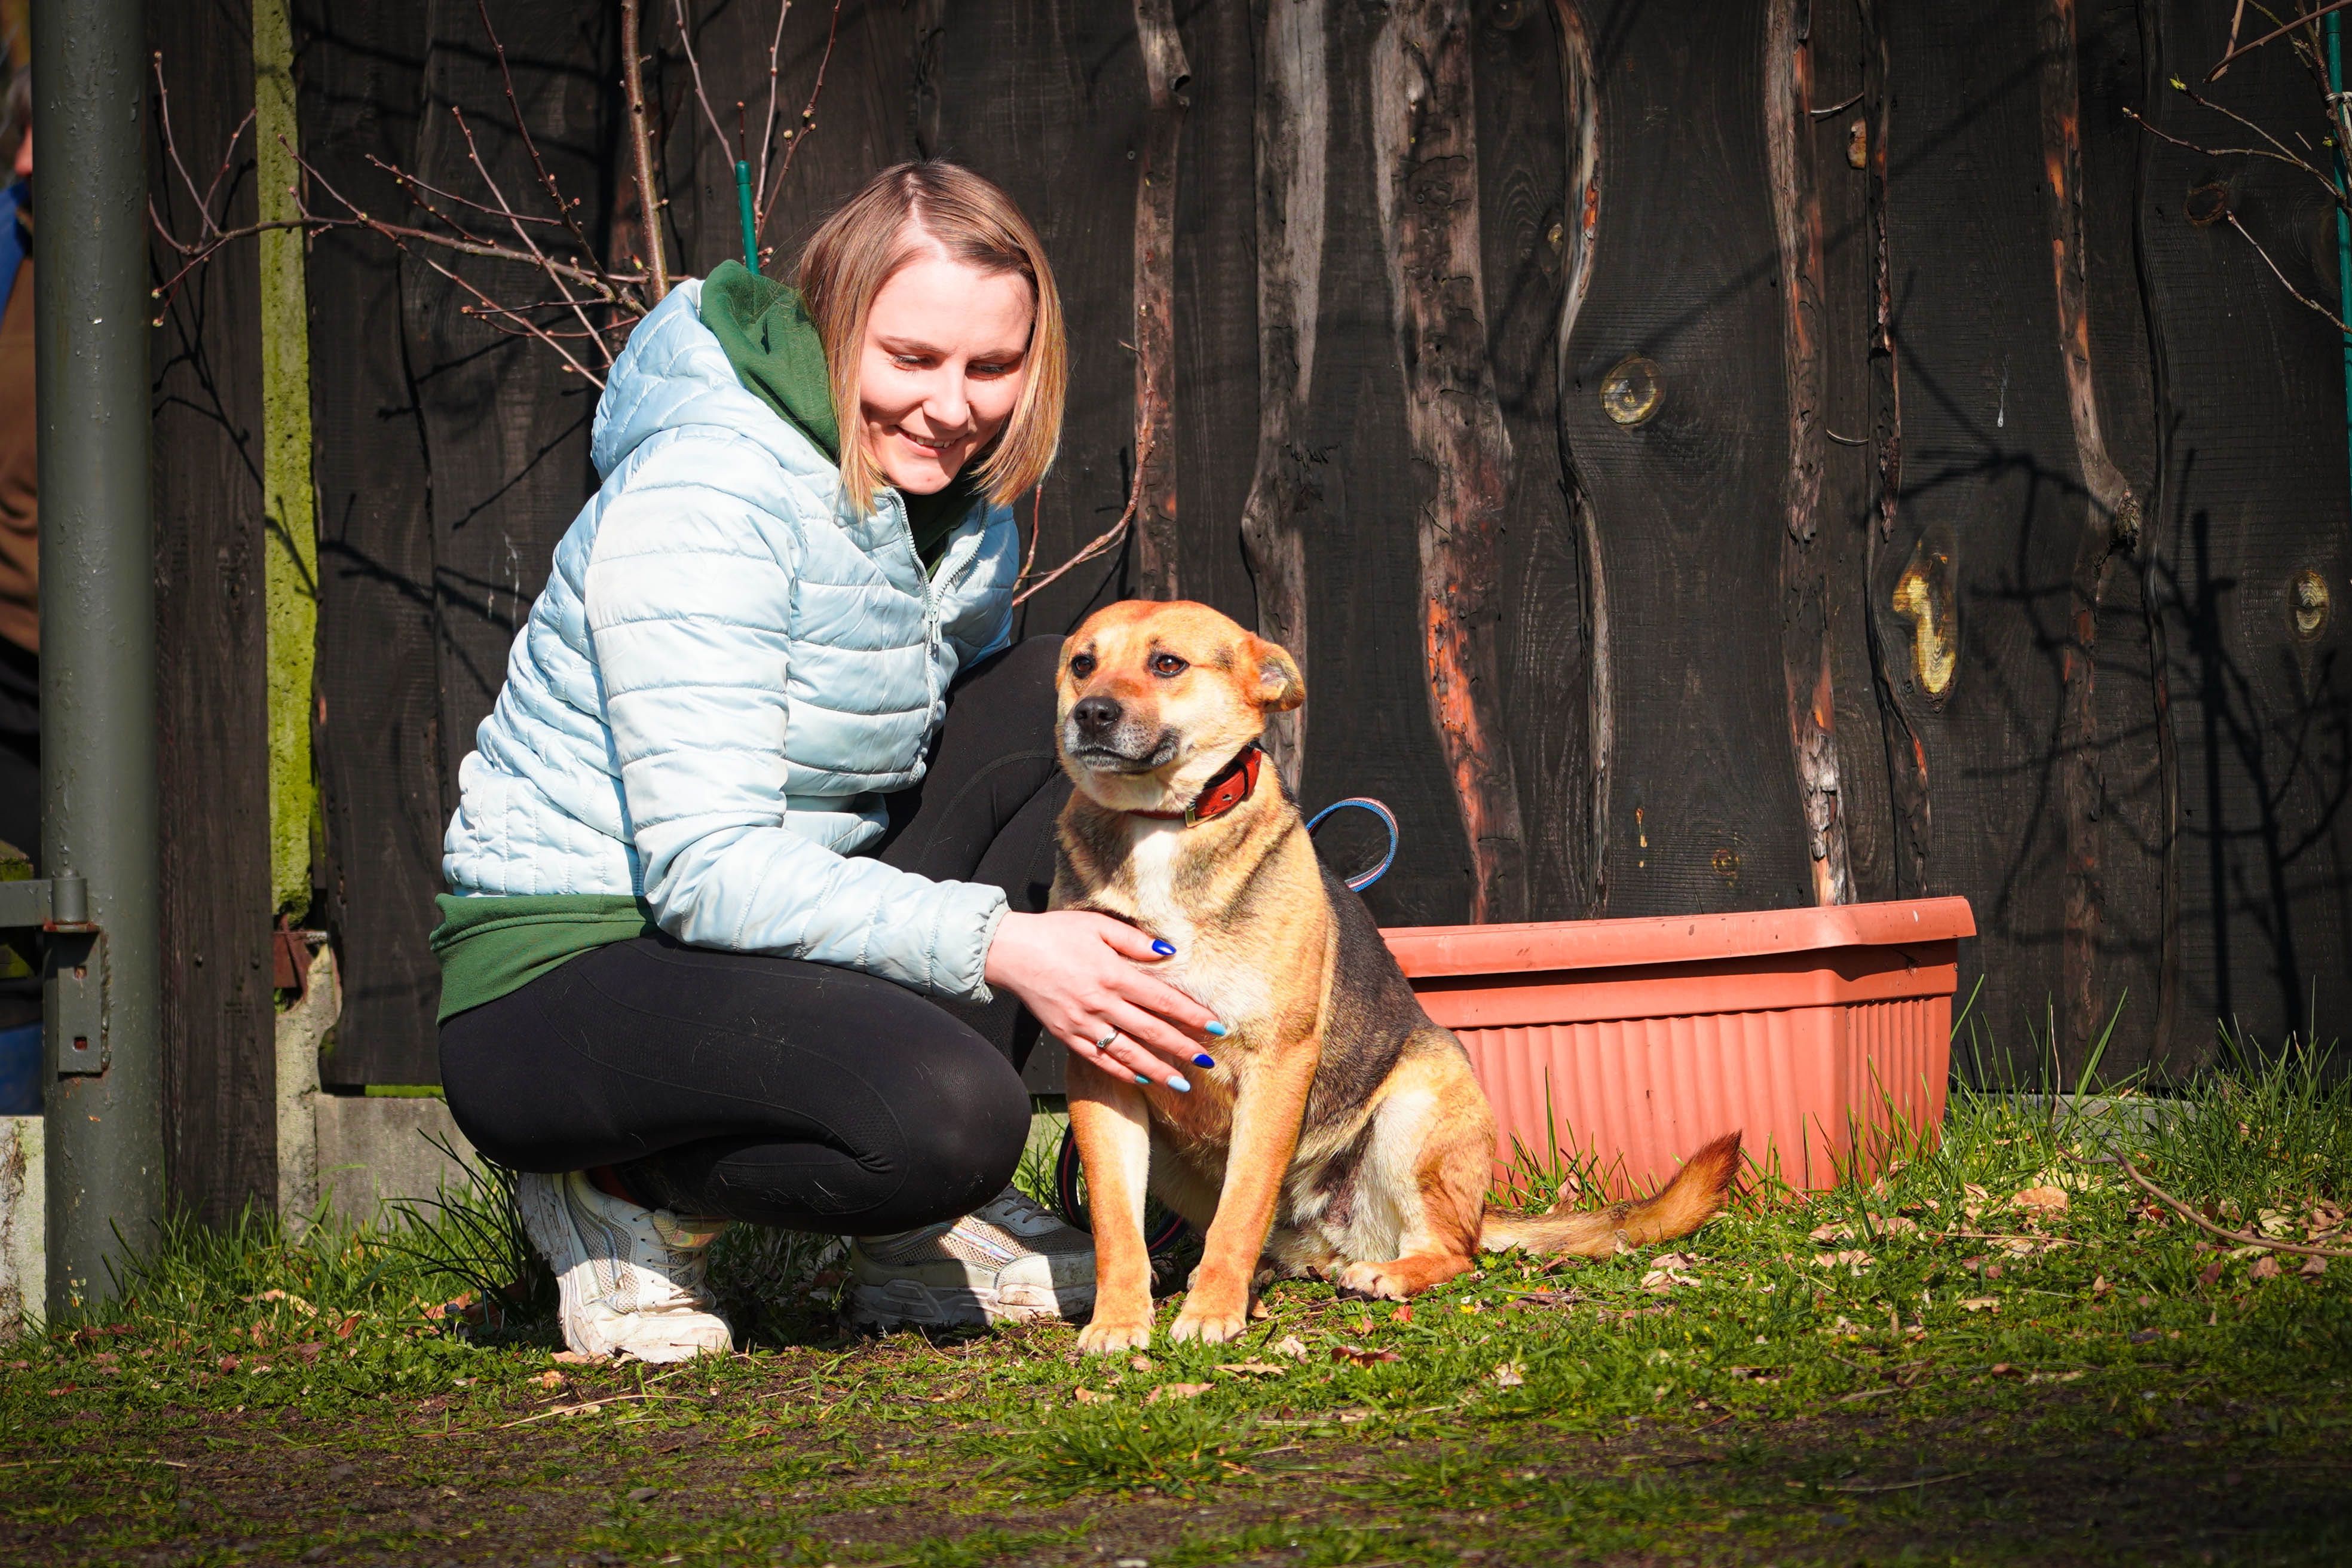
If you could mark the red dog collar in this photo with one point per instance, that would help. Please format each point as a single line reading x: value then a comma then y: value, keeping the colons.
x: 1228, y: 788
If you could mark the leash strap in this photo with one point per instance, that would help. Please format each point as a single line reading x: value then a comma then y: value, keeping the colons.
x: 1066, y: 1170
x: 1357, y: 883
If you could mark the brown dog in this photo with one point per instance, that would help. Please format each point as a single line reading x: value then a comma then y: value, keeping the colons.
x: 1342, y: 1132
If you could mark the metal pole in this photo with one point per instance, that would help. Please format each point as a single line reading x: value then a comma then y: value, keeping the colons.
x: 104, y: 1112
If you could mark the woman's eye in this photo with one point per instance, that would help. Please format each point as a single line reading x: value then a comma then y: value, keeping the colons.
x: 1082, y: 666
x: 908, y: 362
x: 1168, y: 663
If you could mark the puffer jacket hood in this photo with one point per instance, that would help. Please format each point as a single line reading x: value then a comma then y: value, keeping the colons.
x: 728, y: 669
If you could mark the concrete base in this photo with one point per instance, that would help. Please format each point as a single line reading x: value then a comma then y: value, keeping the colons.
x: 23, y: 1199
x: 372, y: 1151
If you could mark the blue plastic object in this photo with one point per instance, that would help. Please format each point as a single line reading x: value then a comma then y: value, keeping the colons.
x: 20, y: 1070
x: 1363, y: 880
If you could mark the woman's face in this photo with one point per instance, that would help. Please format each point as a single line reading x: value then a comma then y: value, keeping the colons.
x: 945, y: 357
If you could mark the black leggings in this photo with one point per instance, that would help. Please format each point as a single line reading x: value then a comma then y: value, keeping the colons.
x: 795, y: 1094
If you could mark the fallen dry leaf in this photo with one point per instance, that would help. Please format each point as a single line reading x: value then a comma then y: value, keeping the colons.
x: 1545, y: 1298
x: 1510, y: 1375
x: 1404, y: 1314
x: 1981, y: 1304
x: 1830, y: 1233
x: 2099, y: 1286
x: 2052, y: 1376
x: 550, y: 1379
x: 1140, y: 1362
x: 571, y: 1358
x: 2315, y: 1266
x: 1292, y: 1346
x: 1252, y: 1368
x: 230, y: 1362
x: 2266, y: 1266
x: 1176, y: 1390
x: 2211, y: 1274
x: 2042, y: 1200
x: 1361, y: 1355
x: 1088, y: 1397
x: 1896, y: 1225
x: 1850, y: 1259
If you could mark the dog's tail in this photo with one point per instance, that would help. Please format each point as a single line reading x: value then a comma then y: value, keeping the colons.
x: 1696, y: 1195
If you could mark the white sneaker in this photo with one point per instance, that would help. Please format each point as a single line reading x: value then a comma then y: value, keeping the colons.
x: 1009, y: 1261
x: 632, y: 1278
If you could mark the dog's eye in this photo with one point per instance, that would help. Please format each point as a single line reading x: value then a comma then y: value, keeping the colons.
x: 1082, y: 666
x: 1168, y: 663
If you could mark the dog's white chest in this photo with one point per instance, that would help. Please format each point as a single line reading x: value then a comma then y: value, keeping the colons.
x: 1151, y: 876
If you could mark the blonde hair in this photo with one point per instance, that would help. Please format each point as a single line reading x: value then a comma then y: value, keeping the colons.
x: 903, y: 211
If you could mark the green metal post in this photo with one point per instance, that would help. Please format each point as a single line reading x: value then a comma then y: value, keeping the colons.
x: 104, y: 1133
x: 2338, y: 121
x: 743, y: 207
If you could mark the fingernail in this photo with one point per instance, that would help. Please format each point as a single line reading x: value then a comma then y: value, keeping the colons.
x: 1204, y: 1061
x: 1176, y: 1082
x: 1164, y: 949
x: 1217, y: 1030
x: 1143, y: 1080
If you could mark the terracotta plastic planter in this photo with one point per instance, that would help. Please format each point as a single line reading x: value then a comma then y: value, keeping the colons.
x: 1824, y: 1033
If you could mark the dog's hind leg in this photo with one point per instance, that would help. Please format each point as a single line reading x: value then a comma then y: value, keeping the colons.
x: 1114, y: 1136
x: 1427, y: 1168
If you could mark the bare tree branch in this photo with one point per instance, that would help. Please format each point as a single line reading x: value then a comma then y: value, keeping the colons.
x: 641, y: 145
x: 2242, y: 1237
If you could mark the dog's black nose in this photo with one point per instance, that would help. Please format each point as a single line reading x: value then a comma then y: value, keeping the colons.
x: 1093, y: 715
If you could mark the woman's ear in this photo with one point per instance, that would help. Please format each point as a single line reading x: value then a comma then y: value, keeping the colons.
x: 1279, y: 686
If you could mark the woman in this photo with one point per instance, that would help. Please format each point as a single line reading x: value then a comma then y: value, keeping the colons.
x: 748, y: 864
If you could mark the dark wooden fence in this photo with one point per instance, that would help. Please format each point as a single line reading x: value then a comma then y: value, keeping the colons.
x: 1709, y: 457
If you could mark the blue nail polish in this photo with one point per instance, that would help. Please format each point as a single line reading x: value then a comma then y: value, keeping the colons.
x: 1204, y: 1060
x: 1217, y: 1030
x: 1164, y: 949
x: 1179, y: 1085
x: 1143, y: 1080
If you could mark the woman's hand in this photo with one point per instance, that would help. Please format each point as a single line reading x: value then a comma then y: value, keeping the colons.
x: 1080, y: 974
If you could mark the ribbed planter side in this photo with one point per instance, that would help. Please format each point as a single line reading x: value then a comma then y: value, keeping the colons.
x: 1829, y: 1054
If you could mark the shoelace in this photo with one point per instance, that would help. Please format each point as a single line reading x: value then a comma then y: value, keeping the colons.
x: 1018, y: 1212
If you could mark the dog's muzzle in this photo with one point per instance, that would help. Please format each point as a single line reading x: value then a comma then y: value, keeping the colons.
x: 1101, y: 735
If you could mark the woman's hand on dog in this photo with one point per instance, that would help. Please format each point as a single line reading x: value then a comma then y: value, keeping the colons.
x: 1082, y: 975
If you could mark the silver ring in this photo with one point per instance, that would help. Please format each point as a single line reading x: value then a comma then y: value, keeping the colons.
x: 1105, y: 1043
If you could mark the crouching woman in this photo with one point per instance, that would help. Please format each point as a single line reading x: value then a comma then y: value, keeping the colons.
x: 749, y: 869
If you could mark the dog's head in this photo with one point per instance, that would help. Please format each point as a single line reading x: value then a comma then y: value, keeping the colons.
x: 1154, y: 699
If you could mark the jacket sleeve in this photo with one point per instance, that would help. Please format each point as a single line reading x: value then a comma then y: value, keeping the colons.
x: 688, y: 590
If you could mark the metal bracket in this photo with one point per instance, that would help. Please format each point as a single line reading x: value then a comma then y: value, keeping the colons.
x: 73, y: 970
x: 73, y: 1000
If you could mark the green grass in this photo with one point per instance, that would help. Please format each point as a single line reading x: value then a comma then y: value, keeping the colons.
x: 1971, y: 1381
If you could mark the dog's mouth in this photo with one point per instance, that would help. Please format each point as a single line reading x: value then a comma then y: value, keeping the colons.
x: 1105, y: 756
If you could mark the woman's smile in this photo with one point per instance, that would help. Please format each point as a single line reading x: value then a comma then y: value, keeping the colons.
x: 946, y: 354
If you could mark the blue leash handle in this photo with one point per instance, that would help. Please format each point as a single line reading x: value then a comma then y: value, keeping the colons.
x: 1357, y: 883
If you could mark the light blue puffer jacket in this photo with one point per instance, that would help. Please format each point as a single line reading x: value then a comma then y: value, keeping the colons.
x: 727, y: 669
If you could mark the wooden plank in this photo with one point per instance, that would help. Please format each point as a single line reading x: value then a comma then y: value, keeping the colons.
x: 1216, y: 348
x: 377, y: 717
x: 1992, y: 504
x: 1166, y: 76
x: 1425, y: 180
x: 2251, y: 421
x: 1841, y: 44
x: 1524, y: 130
x: 1681, y: 331
x: 1291, y: 129
x: 220, y: 1073
x: 1791, y: 137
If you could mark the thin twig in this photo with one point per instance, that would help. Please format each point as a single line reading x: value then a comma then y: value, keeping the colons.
x: 1840, y: 108
x: 2284, y: 153
x: 1900, y: 1486
x: 1102, y: 542
x: 685, y: 41
x: 2242, y: 1237
x: 2305, y: 20
x: 775, y: 89
x: 633, y: 80
x: 563, y: 209
x: 474, y: 156
x: 2231, y: 219
x: 793, y: 141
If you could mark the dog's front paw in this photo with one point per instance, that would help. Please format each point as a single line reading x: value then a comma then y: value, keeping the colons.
x: 1107, y: 1334
x: 1211, y: 1325
x: 1371, y: 1279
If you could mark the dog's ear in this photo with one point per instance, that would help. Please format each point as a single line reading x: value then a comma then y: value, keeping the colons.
x: 1279, y: 688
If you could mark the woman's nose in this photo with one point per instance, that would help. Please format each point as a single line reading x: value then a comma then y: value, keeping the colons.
x: 946, y: 405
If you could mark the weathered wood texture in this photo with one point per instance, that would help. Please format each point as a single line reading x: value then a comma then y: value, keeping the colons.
x: 1836, y: 468
x: 2249, y: 419
x: 377, y: 719
x: 220, y: 1111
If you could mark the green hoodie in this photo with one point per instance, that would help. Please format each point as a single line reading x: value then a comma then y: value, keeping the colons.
x: 777, y: 355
